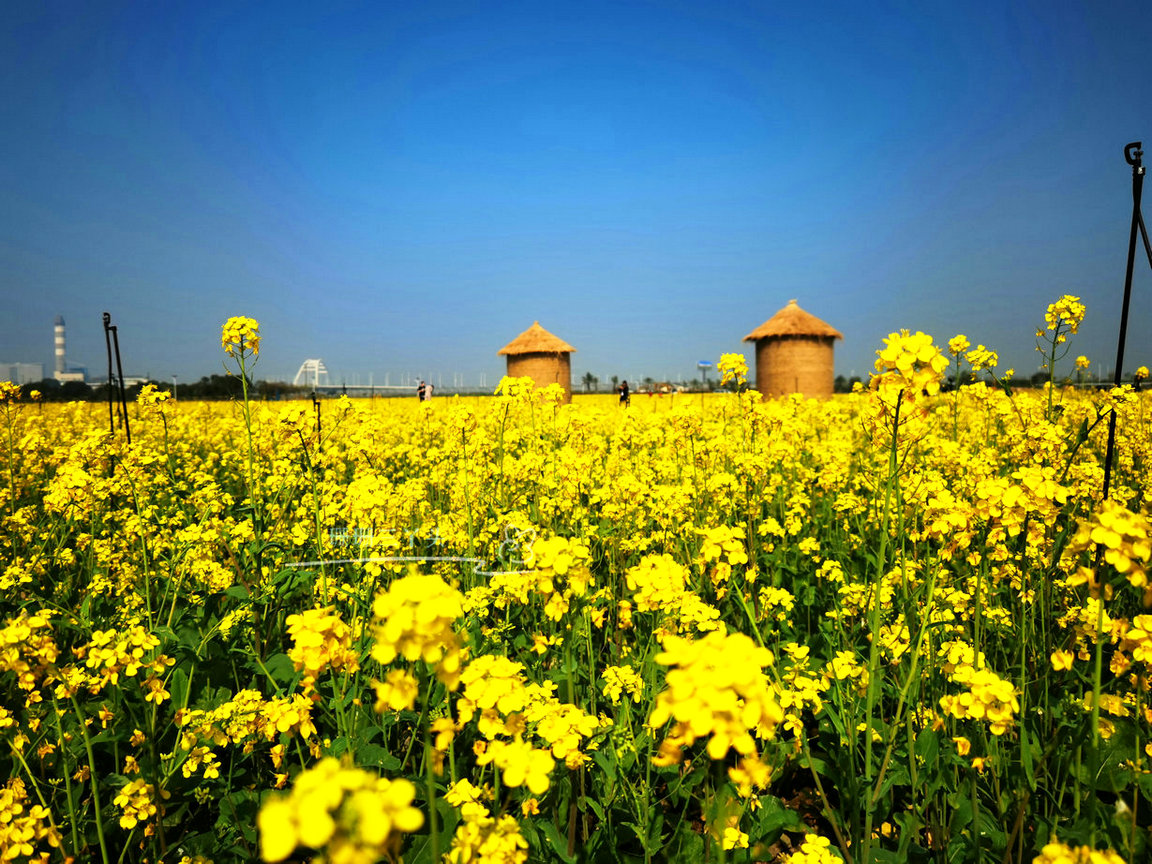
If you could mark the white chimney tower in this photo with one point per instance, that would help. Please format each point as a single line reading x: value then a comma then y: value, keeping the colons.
x: 61, y: 366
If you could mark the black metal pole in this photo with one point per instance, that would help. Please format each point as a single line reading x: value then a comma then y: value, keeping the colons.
x: 1132, y: 155
x: 120, y: 376
x: 108, y: 343
x: 316, y: 405
x: 1147, y: 245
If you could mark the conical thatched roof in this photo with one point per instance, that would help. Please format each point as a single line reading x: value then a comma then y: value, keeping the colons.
x: 793, y: 321
x: 536, y: 340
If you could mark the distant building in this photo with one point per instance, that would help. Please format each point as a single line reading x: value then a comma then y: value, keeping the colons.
x: 539, y: 355
x: 794, y: 353
x: 22, y: 373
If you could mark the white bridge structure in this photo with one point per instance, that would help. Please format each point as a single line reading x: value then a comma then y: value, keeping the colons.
x: 313, y: 373
x: 310, y: 373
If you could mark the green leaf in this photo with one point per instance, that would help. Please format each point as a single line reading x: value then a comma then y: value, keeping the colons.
x: 586, y: 803
x: 281, y: 669
x: 607, y: 764
x: 374, y: 755
x: 1026, y: 758
x: 559, y: 844
x: 690, y: 849
x: 178, y: 685
x: 927, y: 747
x: 773, y: 819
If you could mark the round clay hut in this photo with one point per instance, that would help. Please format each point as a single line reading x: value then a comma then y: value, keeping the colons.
x: 539, y: 355
x: 794, y: 353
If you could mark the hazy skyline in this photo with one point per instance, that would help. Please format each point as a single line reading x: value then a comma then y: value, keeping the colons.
x: 402, y: 189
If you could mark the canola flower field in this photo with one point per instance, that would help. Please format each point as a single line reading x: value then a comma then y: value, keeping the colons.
x: 898, y: 625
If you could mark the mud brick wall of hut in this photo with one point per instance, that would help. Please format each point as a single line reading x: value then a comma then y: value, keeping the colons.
x: 795, y: 364
x: 543, y: 369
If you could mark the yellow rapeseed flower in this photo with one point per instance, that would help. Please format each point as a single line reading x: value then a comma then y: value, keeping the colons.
x: 351, y: 814
x: 240, y: 337
x: 716, y: 688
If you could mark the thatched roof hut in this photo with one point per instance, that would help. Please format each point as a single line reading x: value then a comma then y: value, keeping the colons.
x: 541, y: 356
x: 794, y: 353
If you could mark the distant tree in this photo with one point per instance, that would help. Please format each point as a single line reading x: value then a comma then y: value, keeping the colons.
x: 615, y: 379
x: 589, y: 381
x: 840, y: 385
x: 75, y: 391
x: 48, y: 388
x: 214, y: 387
x: 279, y: 390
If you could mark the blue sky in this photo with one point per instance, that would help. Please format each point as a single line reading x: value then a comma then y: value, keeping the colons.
x: 402, y: 188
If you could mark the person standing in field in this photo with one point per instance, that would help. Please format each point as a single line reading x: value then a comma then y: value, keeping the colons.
x: 623, y: 389
x: 421, y: 390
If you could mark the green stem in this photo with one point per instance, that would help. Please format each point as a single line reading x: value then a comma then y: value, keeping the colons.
x: 93, y: 778
x: 39, y: 795
x: 430, y: 776
x: 874, y: 646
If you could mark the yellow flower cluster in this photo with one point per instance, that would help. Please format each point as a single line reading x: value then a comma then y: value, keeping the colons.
x: 320, y: 640
x: 617, y: 679
x: 138, y: 801
x: 1126, y: 538
x: 908, y: 368
x: 715, y: 687
x: 496, y: 687
x: 27, y: 648
x: 846, y: 667
x: 560, y: 556
x: 1137, y: 639
x: 958, y: 344
x: 9, y: 393
x: 733, y: 367
x: 150, y: 396
x: 560, y: 573
x: 734, y: 838
x: 349, y: 815
x: 982, y: 358
x: 515, y: 388
x: 520, y: 764
x: 247, y: 718
x: 397, y: 692
x: 777, y: 602
x: 110, y: 653
x: 484, y: 839
x: 908, y: 365
x: 1068, y: 312
x: 1060, y: 853
x: 23, y: 825
x: 723, y: 543
x: 240, y: 337
x: 989, y: 697
x: 563, y: 725
x: 814, y: 849
x: 658, y: 581
x: 414, y: 619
